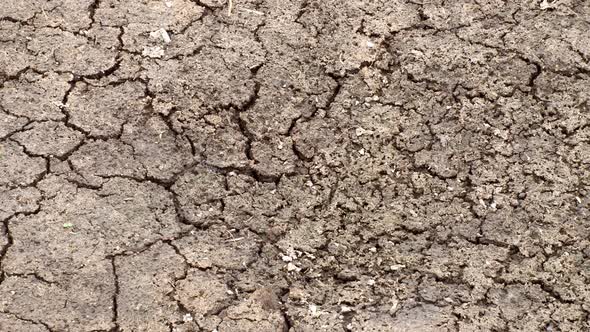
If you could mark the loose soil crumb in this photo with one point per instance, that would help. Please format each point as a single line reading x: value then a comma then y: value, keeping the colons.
x: 296, y: 166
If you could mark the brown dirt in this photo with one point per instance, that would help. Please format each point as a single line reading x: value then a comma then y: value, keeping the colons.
x: 303, y: 165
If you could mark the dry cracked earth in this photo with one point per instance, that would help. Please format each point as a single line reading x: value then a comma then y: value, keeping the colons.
x: 304, y: 165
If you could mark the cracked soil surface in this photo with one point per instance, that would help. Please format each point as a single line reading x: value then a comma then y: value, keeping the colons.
x: 304, y: 165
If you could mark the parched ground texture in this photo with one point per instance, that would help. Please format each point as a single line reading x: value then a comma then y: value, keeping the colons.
x: 304, y: 165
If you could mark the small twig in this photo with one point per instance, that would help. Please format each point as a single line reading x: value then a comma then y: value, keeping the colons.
x: 230, y: 7
x: 234, y: 240
x: 230, y: 233
x: 252, y: 11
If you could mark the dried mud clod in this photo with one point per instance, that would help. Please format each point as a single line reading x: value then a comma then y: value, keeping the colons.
x: 257, y: 165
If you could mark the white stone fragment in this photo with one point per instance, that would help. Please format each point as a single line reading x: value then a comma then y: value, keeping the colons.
x: 165, y: 36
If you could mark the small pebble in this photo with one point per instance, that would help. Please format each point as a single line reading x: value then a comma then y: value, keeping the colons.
x: 396, y: 267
